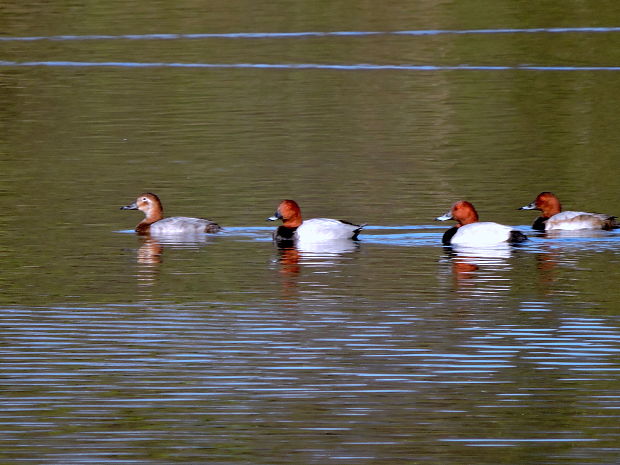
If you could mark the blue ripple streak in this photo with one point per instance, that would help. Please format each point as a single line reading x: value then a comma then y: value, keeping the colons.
x: 351, y: 67
x: 292, y: 35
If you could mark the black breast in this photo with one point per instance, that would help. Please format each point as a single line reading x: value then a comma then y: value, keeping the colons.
x: 447, y: 236
x: 539, y: 224
x: 284, y: 234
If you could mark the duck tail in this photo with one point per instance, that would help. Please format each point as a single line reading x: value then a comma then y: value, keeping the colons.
x: 357, y: 231
x: 611, y: 223
x: 517, y: 237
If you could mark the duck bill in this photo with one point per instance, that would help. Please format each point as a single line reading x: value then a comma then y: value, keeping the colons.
x: 132, y: 206
x: 531, y: 206
x: 276, y: 216
x: 445, y: 217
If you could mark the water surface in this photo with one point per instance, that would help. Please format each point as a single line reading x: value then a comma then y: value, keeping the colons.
x: 226, y: 349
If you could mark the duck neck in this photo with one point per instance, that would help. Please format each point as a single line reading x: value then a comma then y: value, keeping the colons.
x: 548, y: 204
x: 551, y: 208
x: 294, y: 222
x: 153, y: 215
x: 467, y: 218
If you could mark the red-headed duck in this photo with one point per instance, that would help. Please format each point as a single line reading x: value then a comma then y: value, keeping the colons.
x: 553, y: 218
x: 315, y: 230
x: 470, y: 232
x: 155, y: 223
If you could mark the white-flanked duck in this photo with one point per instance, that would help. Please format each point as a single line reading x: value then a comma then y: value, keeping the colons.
x: 469, y: 232
x: 293, y: 228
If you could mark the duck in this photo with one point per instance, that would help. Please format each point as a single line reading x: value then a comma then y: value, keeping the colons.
x: 553, y: 218
x: 155, y: 223
x: 293, y: 228
x: 469, y: 232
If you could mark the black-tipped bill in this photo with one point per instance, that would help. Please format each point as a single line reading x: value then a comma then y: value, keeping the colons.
x: 446, y: 216
x: 276, y: 216
x: 531, y: 206
x: 133, y: 206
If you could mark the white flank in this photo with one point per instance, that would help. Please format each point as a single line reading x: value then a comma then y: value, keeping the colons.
x: 481, y: 234
x: 324, y: 229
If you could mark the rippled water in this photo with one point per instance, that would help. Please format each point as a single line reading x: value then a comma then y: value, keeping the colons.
x: 226, y: 349
x: 337, y: 354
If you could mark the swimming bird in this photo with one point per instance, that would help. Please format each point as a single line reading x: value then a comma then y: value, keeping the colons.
x: 553, y: 218
x: 473, y: 233
x: 293, y: 228
x: 155, y: 223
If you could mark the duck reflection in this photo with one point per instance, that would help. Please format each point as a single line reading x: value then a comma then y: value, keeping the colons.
x: 328, y: 249
x: 468, y: 262
x: 555, y: 251
x: 323, y: 253
x: 150, y: 254
x: 293, y: 257
x: 289, y: 260
x: 289, y: 257
x: 148, y: 257
x: 547, y: 262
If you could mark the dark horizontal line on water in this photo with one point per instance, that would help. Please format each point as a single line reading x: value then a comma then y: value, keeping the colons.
x: 292, y: 35
x: 344, y: 67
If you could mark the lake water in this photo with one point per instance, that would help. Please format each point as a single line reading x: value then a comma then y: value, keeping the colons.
x: 120, y: 349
